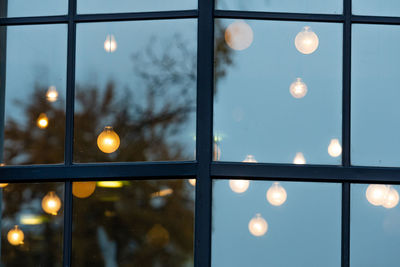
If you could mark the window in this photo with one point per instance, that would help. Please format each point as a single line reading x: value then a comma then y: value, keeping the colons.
x: 199, y: 133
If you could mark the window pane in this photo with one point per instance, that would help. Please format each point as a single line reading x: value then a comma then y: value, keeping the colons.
x: 133, y: 223
x: 285, y: 224
x: 297, y: 6
x: 27, y: 8
x: 375, y: 225
x: 105, y: 6
x: 33, y: 62
x: 276, y: 101
x: 375, y: 110
x: 32, y: 224
x: 140, y: 79
x: 376, y: 8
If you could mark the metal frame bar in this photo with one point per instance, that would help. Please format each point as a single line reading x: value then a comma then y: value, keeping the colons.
x: 204, y: 168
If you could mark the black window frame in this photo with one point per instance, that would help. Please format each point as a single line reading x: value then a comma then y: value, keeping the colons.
x: 203, y: 168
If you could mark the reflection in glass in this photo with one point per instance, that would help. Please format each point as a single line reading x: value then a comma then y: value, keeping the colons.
x: 145, y: 90
x: 306, y: 41
x: 239, y: 186
x: 141, y: 223
x: 239, y: 35
x: 253, y: 106
x: 34, y: 65
x: 375, y: 231
x: 26, y: 8
x: 299, y: 158
x: 110, y: 44
x: 305, y: 231
x: 31, y: 235
x: 382, y: 195
x: 296, y: 6
x: 334, y: 148
x: 276, y: 194
x: 375, y: 96
x: 122, y: 6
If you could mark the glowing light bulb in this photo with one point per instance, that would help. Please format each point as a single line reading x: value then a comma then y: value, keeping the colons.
x: 83, y: 189
x: 298, y: 89
x: 108, y: 140
x: 258, y: 226
x: 216, y: 152
x: 2, y: 185
x: 306, y: 41
x: 239, y: 35
x: 276, y: 194
x: 334, y: 148
x: 52, y: 94
x: 110, y: 184
x: 110, y: 45
x: 239, y: 186
x: 299, y: 158
x: 192, y: 182
x: 250, y: 159
x: 391, y: 198
x: 15, y: 236
x: 51, y: 203
x: 376, y: 194
x: 42, y: 121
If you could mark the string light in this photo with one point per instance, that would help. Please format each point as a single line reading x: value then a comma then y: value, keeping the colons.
x: 298, y: 89
x: 15, y: 236
x: 108, y: 140
x: 258, y: 226
x: 51, y: 203
x: 192, y: 182
x: 110, y: 44
x: 334, y: 148
x: 52, y: 94
x: 299, y: 158
x: 276, y: 194
x: 239, y: 35
x: 83, y: 189
x: 306, y: 41
x: 42, y: 121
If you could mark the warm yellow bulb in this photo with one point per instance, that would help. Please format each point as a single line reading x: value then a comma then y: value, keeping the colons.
x: 108, y: 140
x: 15, y: 236
x: 298, y: 89
x: 52, y: 94
x: 2, y: 185
x: 42, y: 121
x: 250, y: 159
x: 376, y: 194
x: 258, y: 226
x: 83, y: 189
x: 334, y: 148
x: 239, y: 35
x: 276, y: 194
x: 192, y: 182
x: 306, y: 41
x: 391, y: 198
x: 239, y: 186
x: 299, y: 158
x: 110, y: 184
x: 110, y: 45
x: 51, y: 203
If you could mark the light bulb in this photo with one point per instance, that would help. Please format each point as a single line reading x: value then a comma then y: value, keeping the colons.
x: 192, y: 182
x: 42, y: 121
x: 51, y: 203
x: 216, y: 152
x: 298, y: 89
x: 110, y: 184
x: 276, y: 194
x: 239, y: 186
x: 83, y: 189
x: 239, y: 35
x: 108, y: 140
x: 52, y: 94
x: 376, y: 194
x: 110, y: 45
x: 15, y: 236
x: 2, y: 185
x: 299, y: 158
x: 306, y: 41
x: 250, y: 159
x: 391, y: 198
x: 334, y: 148
x: 258, y: 226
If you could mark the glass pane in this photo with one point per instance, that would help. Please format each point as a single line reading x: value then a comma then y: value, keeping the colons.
x: 296, y: 6
x: 136, y: 91
x: 375, y: 109
x: 284, y: 224
x: 27, y: 8
x: 376, y: 8
x: 375, y: 225
x: 278, y: 92
x: 32, y: 224
x: 133, y: 223
x: 105, y: 6
x: 32, y: 83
